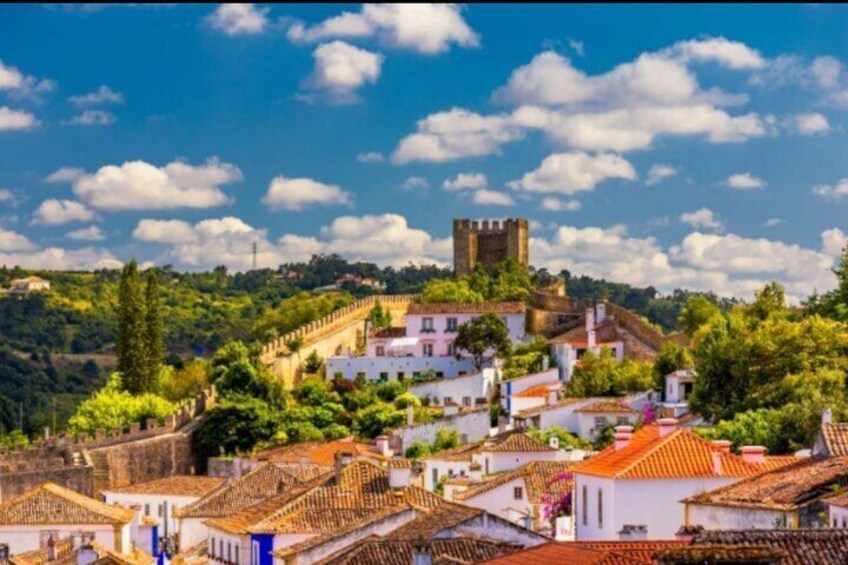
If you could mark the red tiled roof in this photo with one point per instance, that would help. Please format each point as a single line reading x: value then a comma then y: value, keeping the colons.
x: 608, y: 407
x: 678, y: 454
x: 180, y: 485
x: 390, y: 332
x: 802, y: 547
x: 50, y: 503
x: 538, y: 391
x: 318, y: 452
x: 835, y: 438
x: 588, y: 553
x: 418, y: 308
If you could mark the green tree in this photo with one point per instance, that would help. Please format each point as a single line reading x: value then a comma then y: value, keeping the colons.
x: 113, y: 407
x: 132, y: 355
x: 176, y: 385
x: 313, y: 363
x: 697, y: 312
x: 379, y: 317
x: 446, y: 438
x: 377, y: 418
x: 671, y: 357
x: 478, y: 336
x: 294, y: 345
x: 235, y: 425
x: 417, y: 450
x: 754, y: 427
x: 154, y: 333
x: 566, y: 438
x: 454, y: 291
x: 510, y: 281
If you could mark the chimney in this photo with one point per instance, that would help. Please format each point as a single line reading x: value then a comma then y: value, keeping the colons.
x: 723, y: 445
x: 553, y: 394
x: 753, y: 453
x: 553, y: 441
x: 600, y: 313
x: 546, y: 363
x: 827, y: 416
x: 410, y: 415
x: 622, y: 436
x: 422, y: 553
x: 400, y: 476
x: 717, y: 463
x: 631, y: 532
x: 475, y: 473
x: 343, y: 459
x: 382, y: 444
x: 667, y: 425
x: 590, y: 319
x: 501, y: 425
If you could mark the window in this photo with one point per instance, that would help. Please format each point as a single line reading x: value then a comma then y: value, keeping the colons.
x: 440, y: 374
x: 844, y: 522
x: 212, y: 546
x: 401, y: 375
x: 622, y: 421
x: 229, y: 552
x: 428, y: 350
x: 427, y: 325
x: 518, y: 493
x: 448, y: 400
x: 450, y: 473
x: 384, y: 377
x: 161, y: 510
x: 451, y: 325
x: 487, y: 465
x: 237, y: 555
x: 221, y: 549
x: 147, y: 510
x: 435, y: 477
x: 600, y: 508
x: 600, y: 422
x: 584, y: 510
x: 381, y: 351
x: 466, y: 401
x: 360, y: 375
x: 416, y: 375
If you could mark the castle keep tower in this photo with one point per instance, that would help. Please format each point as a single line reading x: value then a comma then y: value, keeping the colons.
x: 488, y: 243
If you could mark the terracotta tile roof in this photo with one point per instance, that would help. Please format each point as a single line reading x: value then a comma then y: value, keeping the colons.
x: 448, y: 515
x: 773, y: 462
x: 539, y: 479
x: 51, y: 504
x: 266, y: 481
x: 750, y: 554
x: 584, y: 553
x: 180, y: 485
x: 537, y: 391
x: 363, y: 489
x: 390, y: 332
x: 606, y: 332
x: 608, y: 407
x: 417, y: 308
x: 194, y: 555
x: 318, y: 452
x: 835, y: 438
x: 678, y: 454
x: 803, y: 547
x: 784, y: 489
x: 561, y: 403
x: 461, y: 453
x: 838, y: 499
x: 516, y: 443
x: 399, y: 552
x: 66, y: 554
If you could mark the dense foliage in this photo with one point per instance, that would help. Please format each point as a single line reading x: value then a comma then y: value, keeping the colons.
x: 602, y: 375
x: 483, y: 337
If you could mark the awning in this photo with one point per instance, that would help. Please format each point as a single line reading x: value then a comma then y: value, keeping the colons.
x: 403, y: 342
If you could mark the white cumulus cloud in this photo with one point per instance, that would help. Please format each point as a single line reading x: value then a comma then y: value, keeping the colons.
x: 568, y: 173
x: 340, y: 70
x: 103, y: 95
x: 556, y: 205
x: 466, y: 181
x: 370, y: 157
x: 91, y: 233
x: 138, y: 185
x: 744, y: 181
x: 658, y: 173
x: 836, y: 191
x: 486, y: 197
x: 703, y: 218
x: 810, y: 124
x: 239, y: 19
x: 93, y: 118
x: 16, y: 119
x: 298, y: 193
x: 425, y: 28
x: 54, y: 212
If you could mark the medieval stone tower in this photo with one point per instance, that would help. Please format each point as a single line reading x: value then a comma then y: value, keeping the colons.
x: 488, y: 243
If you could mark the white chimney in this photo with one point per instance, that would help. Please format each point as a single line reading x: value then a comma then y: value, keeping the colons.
x: 343, y: 459
x: 382, y: 444
x: 553, y: 441
x: 631, y: 532
x: 600, y: 313
x: 400, y: 477
x: 753, y: 453
x: 421, y: 553
x: 622, y: 436
x: 723, y: 445
x: 546, y: 363
x: 827, y: 416
x: 553, y: 394
x: 667, y: 425
x: 590, y: 319
x: 475, y: 473
x: 717, y: 462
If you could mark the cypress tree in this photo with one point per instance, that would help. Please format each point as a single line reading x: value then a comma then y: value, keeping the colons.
x: 153, y: 330
x: 131, y: 335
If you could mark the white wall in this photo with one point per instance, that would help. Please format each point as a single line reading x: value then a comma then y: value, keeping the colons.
x: 514, y: 324
x: 514, y: 386
x: 654, y: 503
x: 504, y: 462
x: 373, y: 366
x: 473, y: 425
x: 192, y: 531
x: 477, y: 385
x: 21, y: 539
x: 153, y: 502
x: 443, y: 469
x: 502, y: 502
x: 730, y: 518
x: 838, y: 516
x: 588, y: 428
x: 239, y: 547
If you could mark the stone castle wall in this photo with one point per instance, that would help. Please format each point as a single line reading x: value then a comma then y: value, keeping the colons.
x: 335, y: 333
x: 488, y: 243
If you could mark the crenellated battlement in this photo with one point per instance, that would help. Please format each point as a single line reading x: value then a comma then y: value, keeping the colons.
x: 488, y: 242
x: 489, y: 226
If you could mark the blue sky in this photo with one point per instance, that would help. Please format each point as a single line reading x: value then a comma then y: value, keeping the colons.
x: 680, y: 146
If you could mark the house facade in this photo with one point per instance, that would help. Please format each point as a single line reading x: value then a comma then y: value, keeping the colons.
x: 598, y: 333
x: 425, y: 345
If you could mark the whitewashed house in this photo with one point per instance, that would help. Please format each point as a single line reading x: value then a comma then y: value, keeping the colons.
x: 159, y: 499
x: 837, y: 509
x: 27, y: 285
x: 678, y: 387
x: 634, y: 487
x: 528, y: 391
x: 50, y: 513
x: 597, y: 333
x: 425, y: 344
x: 593, y: 418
